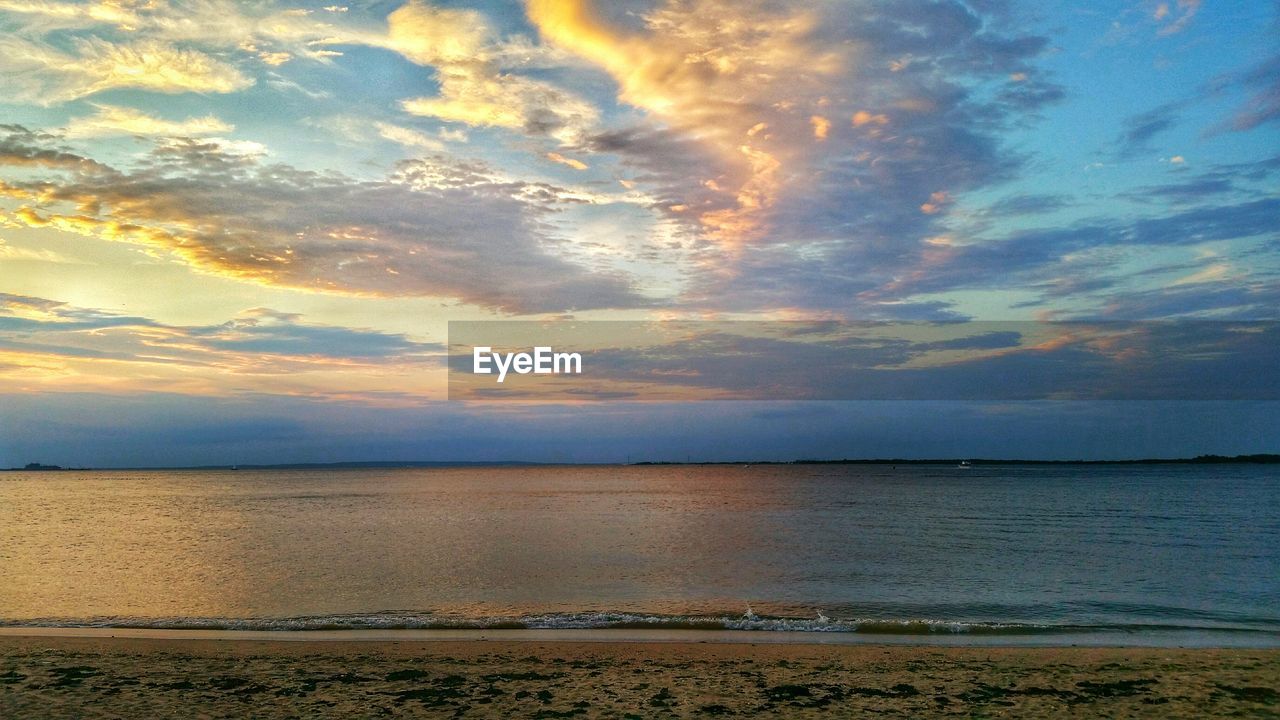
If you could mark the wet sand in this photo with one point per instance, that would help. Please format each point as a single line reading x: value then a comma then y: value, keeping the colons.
x: 63, y: 677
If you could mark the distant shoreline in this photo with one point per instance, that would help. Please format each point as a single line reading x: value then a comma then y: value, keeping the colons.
x: 1255, y: 459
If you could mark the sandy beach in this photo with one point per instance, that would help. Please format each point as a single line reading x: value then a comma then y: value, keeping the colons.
x: 59, y: 677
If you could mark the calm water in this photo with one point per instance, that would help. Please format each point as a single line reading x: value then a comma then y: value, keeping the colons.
x: 869, y: 548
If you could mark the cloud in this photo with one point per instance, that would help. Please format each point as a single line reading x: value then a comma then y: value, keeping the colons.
x: 13, y: 252
x: 771, y: 209
x: 20, y: 147
x: 478, y: 96
x: 44, y: 75
x: 894, y: 361
x: 1079, y: 262
x: 230, y: 214
x: 571, y: 162
x: 1175, y: 19
x: 116, y: 120
x: 50, y: 345
x: 46, y: 15
x: 1190, y: 191
x: 1029, y: 204
x: 1140, y: 129
x: 1247, y: 300
x: 723, y: 81
x: 821, y: 126
x: 1263, y: 105
x: 408, y: 137
x: 474, y: 86
x: 936, y: 202
x: 269, y: 332
x: 260, y: 30
x: 809, y: 159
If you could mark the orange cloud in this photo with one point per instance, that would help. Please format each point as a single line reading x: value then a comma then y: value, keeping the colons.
x: 721, y: 82
x: 862, y: 117
x: 937, y: 201
x: 821, y: 126
x: 571, y: 162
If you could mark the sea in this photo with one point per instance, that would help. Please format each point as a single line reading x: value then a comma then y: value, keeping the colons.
x: 996, y: 554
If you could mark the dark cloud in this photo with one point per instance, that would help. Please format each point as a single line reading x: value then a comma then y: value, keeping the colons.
x: 1245, y: 301
x: 1037, y: 204
x: 1031, y: 95
x: 53, y: 315
x: 1263, y: 105
x: 21, y: 147
x: 262, y: 331
x: 1218, y: 179
x: 1140, y: 129
x: 971, y: 361
x: 1190, y: 191
x: 1043, y: 255
x: 1225, y: 222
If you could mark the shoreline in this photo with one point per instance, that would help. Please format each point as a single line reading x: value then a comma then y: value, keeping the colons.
x: 53, y: 677
x: 1154, y: 639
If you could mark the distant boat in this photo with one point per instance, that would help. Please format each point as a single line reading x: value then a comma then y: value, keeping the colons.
x: 965, y: 465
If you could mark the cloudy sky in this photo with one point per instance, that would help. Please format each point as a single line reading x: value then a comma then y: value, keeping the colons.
x: 236, y: 231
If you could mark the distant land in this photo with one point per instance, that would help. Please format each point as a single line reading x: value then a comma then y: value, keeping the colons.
x: 300, y: 466
x: 1257, y: 459
x: 1263, y: 459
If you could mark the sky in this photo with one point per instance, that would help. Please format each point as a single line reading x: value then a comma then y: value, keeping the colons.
x: 236, y: 232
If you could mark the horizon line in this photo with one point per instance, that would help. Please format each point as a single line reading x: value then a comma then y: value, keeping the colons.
x: 1205, y: 459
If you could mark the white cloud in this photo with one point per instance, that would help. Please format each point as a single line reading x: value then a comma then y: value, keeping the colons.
x: 408, y: 137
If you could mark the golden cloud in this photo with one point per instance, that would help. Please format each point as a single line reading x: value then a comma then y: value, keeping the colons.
x: 44, y: 75
x: 474, y: 88
x: 115, y: 120
x: 821, y: 126
x: 719, y: 71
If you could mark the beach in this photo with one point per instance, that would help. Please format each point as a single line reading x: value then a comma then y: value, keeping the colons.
x: 54, y: 677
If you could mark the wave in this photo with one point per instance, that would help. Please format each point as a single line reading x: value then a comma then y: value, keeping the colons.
x: 616, y: 620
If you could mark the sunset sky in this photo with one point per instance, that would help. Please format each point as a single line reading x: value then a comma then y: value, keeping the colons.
x: 236, y: 232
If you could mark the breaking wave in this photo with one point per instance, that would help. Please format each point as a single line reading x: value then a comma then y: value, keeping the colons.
x: 607, y: 620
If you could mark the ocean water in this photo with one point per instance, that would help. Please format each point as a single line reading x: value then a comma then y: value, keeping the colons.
x: 1124, y: 551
